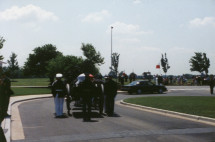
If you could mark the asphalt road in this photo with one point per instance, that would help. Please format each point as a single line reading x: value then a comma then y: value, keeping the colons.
x: 127, y: 125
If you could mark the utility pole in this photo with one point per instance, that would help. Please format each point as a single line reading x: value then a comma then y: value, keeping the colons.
x: 111, y: 50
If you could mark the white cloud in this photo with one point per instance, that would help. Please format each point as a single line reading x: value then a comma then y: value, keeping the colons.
x: 137, y: 1
x: 29, y: 12
x: 128, y: 29
x: 206, y: 21
x: 96, y: 16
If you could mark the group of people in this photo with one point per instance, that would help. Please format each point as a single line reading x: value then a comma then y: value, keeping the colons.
x: 89, y: 91
x: 5, y: 93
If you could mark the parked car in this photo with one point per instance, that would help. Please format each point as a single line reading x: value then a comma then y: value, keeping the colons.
x: 142, y: 86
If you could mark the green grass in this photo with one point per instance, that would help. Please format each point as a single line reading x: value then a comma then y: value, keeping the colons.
x: 30, y: 82
x: 20, y: 91
x: 196, y: 105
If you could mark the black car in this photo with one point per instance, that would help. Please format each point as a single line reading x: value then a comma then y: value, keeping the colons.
x: 142, y: 86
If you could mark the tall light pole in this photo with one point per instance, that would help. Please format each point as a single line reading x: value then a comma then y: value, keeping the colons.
x: 111, y: 49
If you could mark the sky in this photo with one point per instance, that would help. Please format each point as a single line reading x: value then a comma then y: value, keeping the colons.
x: 142, y: 31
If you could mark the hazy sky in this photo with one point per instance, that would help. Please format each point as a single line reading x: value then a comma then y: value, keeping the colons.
x: 143, y: 30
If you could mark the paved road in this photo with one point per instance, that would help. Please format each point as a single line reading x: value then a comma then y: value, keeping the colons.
x: 127, y: 125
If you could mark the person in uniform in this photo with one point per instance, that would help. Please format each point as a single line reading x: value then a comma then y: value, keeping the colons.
x: 110, y: 91
x: 86, y: 90
x: 2, y: 113
x: 6, y: 92
x: 211, y: 83
x: 99, y: 99
x: 59, y: 92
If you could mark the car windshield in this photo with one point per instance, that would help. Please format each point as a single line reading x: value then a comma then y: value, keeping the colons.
x: 134, y: 83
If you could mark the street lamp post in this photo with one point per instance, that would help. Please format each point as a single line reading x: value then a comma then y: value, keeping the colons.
x: 111, y: 49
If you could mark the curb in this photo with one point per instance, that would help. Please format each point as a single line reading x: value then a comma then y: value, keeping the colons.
x: 7, y: 125
x: 201, y: 119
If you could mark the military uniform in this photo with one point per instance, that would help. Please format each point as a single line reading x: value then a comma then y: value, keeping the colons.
x: 99, y: 98
x: 110, y: 91
x: 2, y: 113
x: 211, y: 83
x: 59, y: 92
x: 6, y: 92
x: 86, y: 90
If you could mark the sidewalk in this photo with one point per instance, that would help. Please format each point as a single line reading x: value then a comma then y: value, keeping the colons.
x: 6, y: 124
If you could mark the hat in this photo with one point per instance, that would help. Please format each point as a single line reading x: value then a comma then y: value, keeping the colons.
x: 59, y: 75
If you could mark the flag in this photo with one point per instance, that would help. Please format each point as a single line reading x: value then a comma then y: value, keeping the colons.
x: 158, y: 66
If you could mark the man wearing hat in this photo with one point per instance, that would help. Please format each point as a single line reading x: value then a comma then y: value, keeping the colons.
x: 59, y: 92
x: 110, y: 91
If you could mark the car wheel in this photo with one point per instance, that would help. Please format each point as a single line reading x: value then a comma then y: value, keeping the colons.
x: 139, y: 91
x: 160, y: 91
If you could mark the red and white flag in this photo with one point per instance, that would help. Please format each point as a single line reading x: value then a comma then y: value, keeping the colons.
x: 158, y: 66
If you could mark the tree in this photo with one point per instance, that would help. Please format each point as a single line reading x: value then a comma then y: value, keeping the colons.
x: 164, y: 63
x: 1, y: 46
x: 37, y: 62
x: 115, y: 63
x: 90, y: 53
x: 13, y: 66
x: 199, y: 63
x: 69, y: 66
x: 93, y: 59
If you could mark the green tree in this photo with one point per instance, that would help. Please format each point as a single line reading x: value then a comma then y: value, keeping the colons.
x: 200, y: 63
x: 91, y: 54
x: 2, y: 40
x: 93, y: 59
x: 36, y: 63
x: 13, y: 66
x: 69, y: 66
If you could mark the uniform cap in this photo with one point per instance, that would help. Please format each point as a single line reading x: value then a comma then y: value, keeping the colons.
x: 59, y: 75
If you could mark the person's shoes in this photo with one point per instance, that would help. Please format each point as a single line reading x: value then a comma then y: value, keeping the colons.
x: 86, y: 120
x: 68, y: 113
x: 58, y: 116
x: 110, y: 114
x: 62, y: 116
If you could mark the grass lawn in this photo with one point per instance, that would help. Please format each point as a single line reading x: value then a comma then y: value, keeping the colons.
x: 30, y: 82
x: 196, y: 105
x: 30, y: 91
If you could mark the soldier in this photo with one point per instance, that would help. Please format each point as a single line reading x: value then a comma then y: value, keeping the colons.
x: 211, y: 83
x: 6, y: 92
x: 86, y: 90
x: 110, y: 91
x: 59, y: 92
x: 99, y: 99
x: 2, y: 137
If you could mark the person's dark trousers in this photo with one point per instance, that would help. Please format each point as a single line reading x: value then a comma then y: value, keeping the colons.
x: 86, y: 106
x: 101, y: 104
x: 2, y: 136
x: 212, y: 89
x: 107, y: 104
x: 6, y: 104
x: 111, y: 106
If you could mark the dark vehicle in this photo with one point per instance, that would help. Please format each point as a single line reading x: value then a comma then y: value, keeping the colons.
x: 142, y: 86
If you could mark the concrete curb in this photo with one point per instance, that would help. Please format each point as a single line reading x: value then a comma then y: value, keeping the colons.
x: 196, y: 118
x: 13, y: 100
